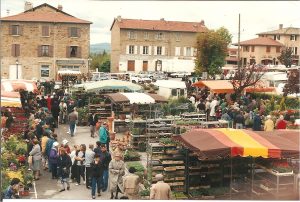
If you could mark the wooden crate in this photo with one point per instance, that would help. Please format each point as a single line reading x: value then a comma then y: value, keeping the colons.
x: 179, y: 178
x: 157, y: 168
x: 180, y: 167
x: 170, y: 169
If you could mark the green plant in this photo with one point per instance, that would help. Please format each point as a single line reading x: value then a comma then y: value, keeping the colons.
x: 131, y: 155
x: 137, y: 165
x: 282, y: 104
x: 145, y: 192
x: 142, y: 146
x: 83, y: 114
x: 166, y: 141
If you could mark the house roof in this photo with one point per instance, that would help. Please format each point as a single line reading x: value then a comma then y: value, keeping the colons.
x: 283, y: 31
x: 260, y: 41
x: 162, y: 25
x: 56, y: 16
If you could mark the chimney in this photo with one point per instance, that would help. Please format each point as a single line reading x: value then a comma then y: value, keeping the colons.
x: 59, y: 7
x: 280, y: 26
x: 119, y: 18
x: 28, y: 6
x: 202, y: 22
x: 162, y: 19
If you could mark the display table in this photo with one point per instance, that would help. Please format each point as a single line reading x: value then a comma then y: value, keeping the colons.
x: 205, y: 124
x: 194, y: 116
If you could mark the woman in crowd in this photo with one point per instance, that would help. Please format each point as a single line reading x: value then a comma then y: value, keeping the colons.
x: 64, y: 164
x: 36, y: 158
x: 96, y: 175
x: 116, y: 172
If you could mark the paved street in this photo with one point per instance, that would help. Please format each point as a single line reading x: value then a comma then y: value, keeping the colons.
x: 48, y: 188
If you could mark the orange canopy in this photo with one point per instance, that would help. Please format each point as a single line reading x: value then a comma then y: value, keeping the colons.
x: 225, y: 86
x: 216, y: 86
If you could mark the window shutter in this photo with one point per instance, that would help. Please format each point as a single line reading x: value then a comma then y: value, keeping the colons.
x: 17, y: 50
x: 20, y: 30
x: 163, y: 50
x: 135, y: 49
x: 39, y: 51
x: 184, y: 51
x: 128, y: 34
x: 13, y: 50
x: 127, y: 49
x: 141, y: 50
x: 155, y: 50
x: 69, y: 31
x: 78, y: 52
x: 149, y: 51
x: 68, y: 52
x: 192, y: 51
x: 10, y: 30
x: 78, y: 32
x: 135, y: 35
x: 295, y: 37
x: 156, y: 36
x: 50, y: 51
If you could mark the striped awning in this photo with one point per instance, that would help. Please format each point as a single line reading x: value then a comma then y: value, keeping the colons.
x: 16, y: 85
x: 10, y: 102
x: 135, y: 98
x: 225, y: 142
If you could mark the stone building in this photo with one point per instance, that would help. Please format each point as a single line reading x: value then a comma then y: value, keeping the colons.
x: 153, y: 45
x: 261, y: 50
x: 42, y: 40
x: 289, y: 37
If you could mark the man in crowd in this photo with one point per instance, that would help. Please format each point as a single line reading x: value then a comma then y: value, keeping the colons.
x: 105, y: 158
x: 160, y: 190
x: 89, y: 158
x: 131, y: 183
x: 104, y: 135
x: 73, y: 117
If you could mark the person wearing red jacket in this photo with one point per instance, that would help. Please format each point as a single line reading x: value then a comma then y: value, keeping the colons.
x: 49, y: 102
x: 281, y: 123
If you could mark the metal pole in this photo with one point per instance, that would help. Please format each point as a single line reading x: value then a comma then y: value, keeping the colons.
x: 17, y: 70
x: 239, y: 36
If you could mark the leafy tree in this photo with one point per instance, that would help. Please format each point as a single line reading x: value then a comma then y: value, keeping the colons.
x: 105, y: 67
x: 286, y: 56
x: 246, y: 77
x: 99, y: 59
x: 292, y: 85
x: 212, y: 50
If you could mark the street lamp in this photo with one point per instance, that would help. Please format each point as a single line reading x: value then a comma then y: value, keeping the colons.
x: 89, y: 63
x: 17, y: 68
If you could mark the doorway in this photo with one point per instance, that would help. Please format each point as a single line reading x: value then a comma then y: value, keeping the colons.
x: 145, y: 66
x: 131, y: 65
x: 13, y: 71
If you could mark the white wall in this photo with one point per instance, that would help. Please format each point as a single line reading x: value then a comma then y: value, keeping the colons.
x: 165, y: 92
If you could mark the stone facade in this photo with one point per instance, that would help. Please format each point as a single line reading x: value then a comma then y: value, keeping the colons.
x: 176, y: 49
x: 30, y: 62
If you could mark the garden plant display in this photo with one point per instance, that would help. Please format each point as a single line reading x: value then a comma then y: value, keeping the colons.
x: 131, y: 155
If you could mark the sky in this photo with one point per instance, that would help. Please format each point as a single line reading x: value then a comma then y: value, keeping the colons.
x: 256, y: 16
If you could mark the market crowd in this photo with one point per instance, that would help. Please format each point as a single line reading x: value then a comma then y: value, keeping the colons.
x: 94, y: 165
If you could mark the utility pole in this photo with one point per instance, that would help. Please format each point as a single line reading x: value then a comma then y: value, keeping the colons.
x: 239, y: 36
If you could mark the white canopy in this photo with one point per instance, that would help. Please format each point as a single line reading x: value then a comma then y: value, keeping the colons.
x: 170, y: 84
x: 139, y: 98
x: 68, y: 72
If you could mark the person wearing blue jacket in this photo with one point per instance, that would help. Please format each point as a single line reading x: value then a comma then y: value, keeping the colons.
x: 104, y: 135
x: 49, y: 146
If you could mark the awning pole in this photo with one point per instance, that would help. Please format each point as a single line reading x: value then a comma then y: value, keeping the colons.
x: 252, y: 176
x: 230, y: 176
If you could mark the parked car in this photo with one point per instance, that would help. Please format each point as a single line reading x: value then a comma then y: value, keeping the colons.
x: 139, y: 78
x: 99, y: 76
x: 180, y: 74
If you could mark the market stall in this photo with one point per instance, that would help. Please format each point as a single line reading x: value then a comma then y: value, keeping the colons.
x: 68, y: 77
x: 241, y: 164
x: 225, y: 86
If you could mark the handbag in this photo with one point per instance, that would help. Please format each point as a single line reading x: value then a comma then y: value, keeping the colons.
x: 30, y: 160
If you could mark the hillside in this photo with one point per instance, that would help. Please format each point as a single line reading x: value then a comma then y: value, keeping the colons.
x: 100, y: 47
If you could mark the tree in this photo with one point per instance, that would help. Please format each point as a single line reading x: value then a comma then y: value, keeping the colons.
x: 292, y: 85
x: 99, y: 59
x: 286, y: 56
x: 105, y: 67
x: 212, y: 50
x: 246, y: 77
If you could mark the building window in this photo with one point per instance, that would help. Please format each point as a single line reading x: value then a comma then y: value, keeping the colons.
x: 159, y: 36
x: 159, y: 50
x: 131, y: 35
x: 131, y: 49
x: 188, y: 51
x: 15, y: 30
x: 45, y: 50
x: 145, y: 50
x: 268, y: 49
x: 146, y: 35
x: 15, y: 50
x: 45, y: 31
x: 74, y: 32
x: 252, y: 48
x: 246, y: 48
x: 177, y: 36
x: 277, y: 49
x: 278, y: 37
x: 70, y: 67
x: 295, y: 51
x: 73, y: 51
x: 181, y: 92
x: 293, y: 38
x: 45, y: 71
x: 177, y: 51
x: 174, y: 92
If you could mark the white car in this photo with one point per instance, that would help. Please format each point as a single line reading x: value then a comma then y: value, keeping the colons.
x: 180, y: 74
x: 139, y: 79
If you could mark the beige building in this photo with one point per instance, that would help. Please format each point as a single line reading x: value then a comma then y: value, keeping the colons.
x: 289, y: 37
x: 153, y: 45
x: 261, y: 50
x: 232, y: 57
x: 42, y: 40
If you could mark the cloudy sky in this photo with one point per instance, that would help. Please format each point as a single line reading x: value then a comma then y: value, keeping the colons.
x: 256, y: 16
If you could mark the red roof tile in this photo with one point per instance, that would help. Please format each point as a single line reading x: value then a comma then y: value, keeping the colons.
x: 260, y: 41
x: 55, y: 16
x: 162, y: 25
